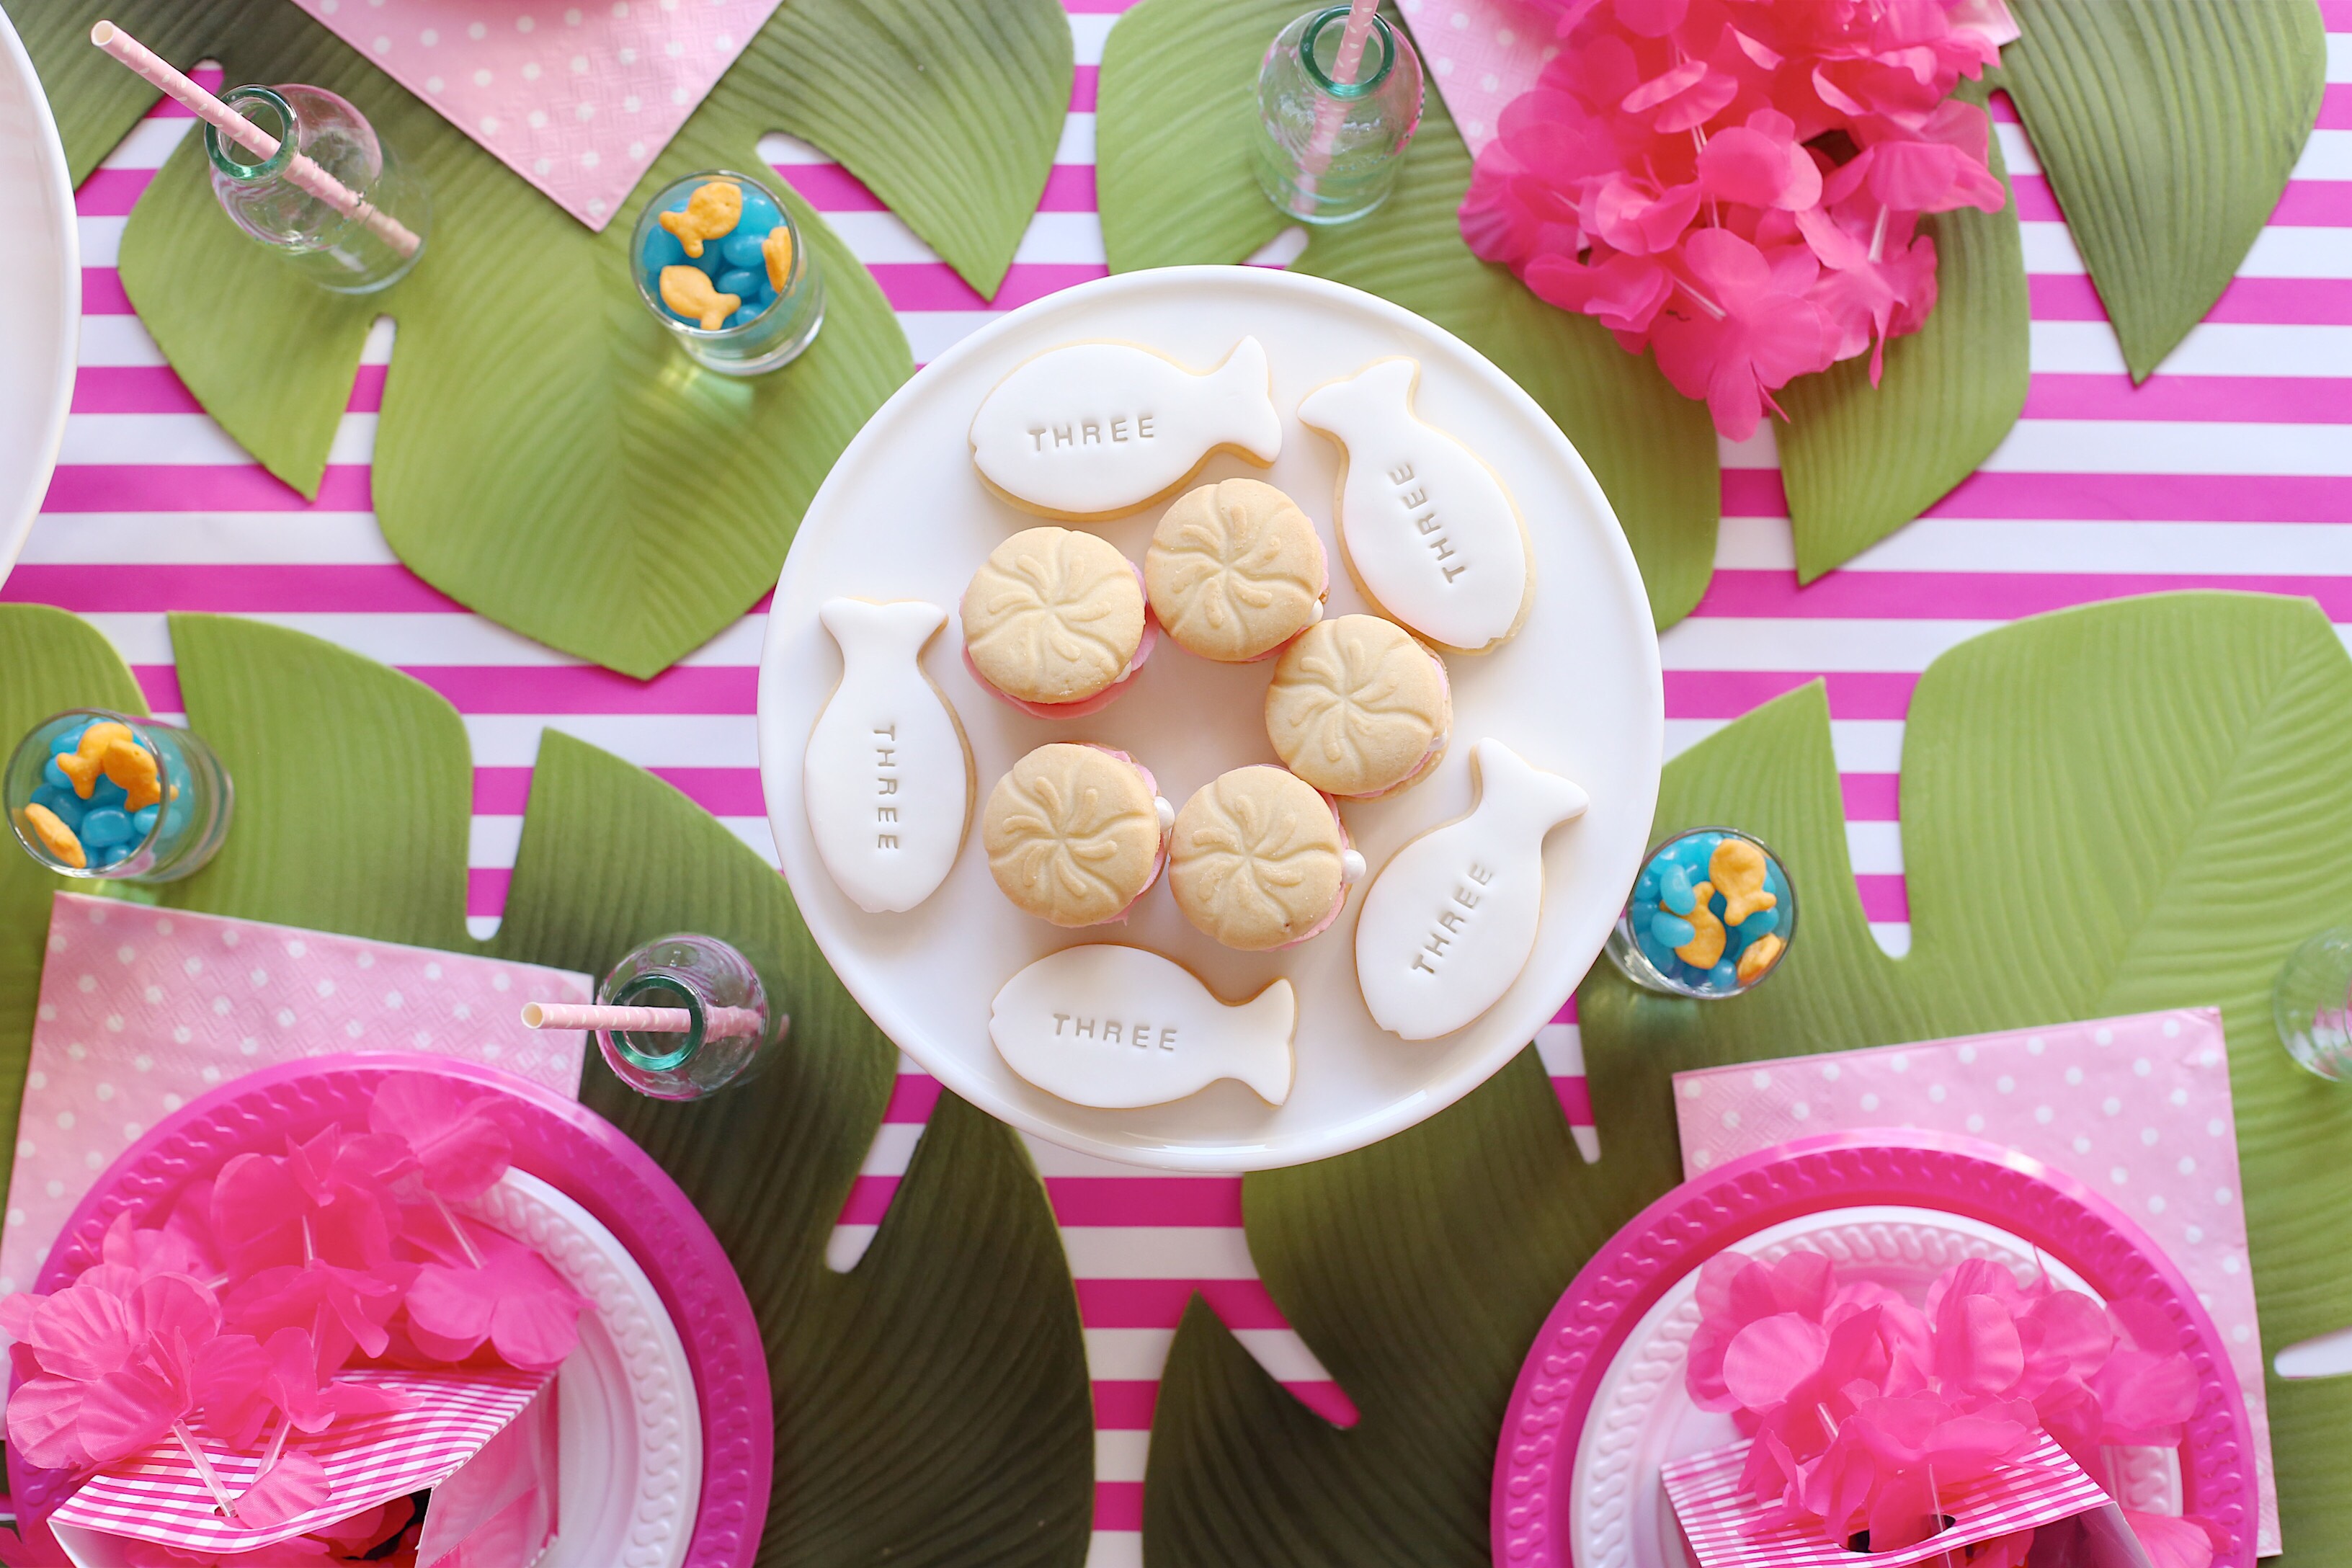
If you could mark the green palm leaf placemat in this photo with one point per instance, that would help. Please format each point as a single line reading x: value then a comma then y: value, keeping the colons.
x: 544, y: 454
x: 2167, y: 129
x: 2127, y: 808
x: 932, y: 1403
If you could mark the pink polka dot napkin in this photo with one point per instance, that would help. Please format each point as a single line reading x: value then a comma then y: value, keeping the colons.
x: 577, y: 98
x: 2138, y: 1108
x: 1480, y: 55
x: 142, y: 1010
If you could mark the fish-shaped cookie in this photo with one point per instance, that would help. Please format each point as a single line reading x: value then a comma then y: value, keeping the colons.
x: 889, y: 778
x: 1094, y: 430
x: 1118, y: 1027
x: 1428, y: 531
x: 1451, y: 920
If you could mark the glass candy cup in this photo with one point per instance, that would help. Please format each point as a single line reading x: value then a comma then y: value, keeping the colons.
x: 1329, y: 150
x: 2311, y: 1003
x: 701, y: 976
x: 162, y: 843
x: 339, y: 253
x: 772, y: 326
x: 1648, y: 962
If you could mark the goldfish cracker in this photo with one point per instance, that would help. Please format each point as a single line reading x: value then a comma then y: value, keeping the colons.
x: 689, y: 292
x: 132, y: 766
x: 1762, y: 954
x: 1706, y: 946
x: 711, y: 212
x: 1737, y: 870
x: 54, y: 835
x: 776, y: 250
x: 84, y: 764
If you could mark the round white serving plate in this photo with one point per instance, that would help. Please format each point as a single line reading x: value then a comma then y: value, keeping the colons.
x: 630, y: 1449
x: 1640, y: 1418
x: 40, y: 308
x: 903, y: 515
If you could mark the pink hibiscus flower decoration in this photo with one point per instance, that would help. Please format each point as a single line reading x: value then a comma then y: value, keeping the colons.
x: 1664, y: 135
x: 514, y: 1302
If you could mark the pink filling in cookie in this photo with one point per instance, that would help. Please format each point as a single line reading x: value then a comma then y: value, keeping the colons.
x: 1167, y: 819
x: 1339, y: 903
x: 1437, y: 743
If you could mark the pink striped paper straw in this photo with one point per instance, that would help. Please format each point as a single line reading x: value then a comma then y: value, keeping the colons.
x: 720, y: 1022
x: 302, y: 171
x: 1329, y: 113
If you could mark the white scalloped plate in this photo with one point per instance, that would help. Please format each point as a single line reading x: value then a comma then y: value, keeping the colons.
x: 1640, y: 1418
x: 631, y: 1442
x: 40, y: 307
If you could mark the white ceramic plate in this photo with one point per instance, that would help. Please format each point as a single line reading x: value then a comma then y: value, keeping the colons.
x: 1640, y: 1418
x: 903, y: 515
x: 40, y: 305
x: 631, y: 1444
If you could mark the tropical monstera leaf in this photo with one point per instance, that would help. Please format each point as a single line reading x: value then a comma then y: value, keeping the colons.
x: 2167, y: 129
x: 1179, y: 106
x: 2109, y: 810
x: 931, y: 1404
x: 544, y: 454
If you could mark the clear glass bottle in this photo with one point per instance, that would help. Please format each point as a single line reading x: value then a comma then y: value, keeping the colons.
x: 1643, y: 946
x: 2311, y: 1003
x: 731, y: 1032
x: 1331, y: 139
x: 342, y: 252
x: 102, y: 834
x: 776, y: 320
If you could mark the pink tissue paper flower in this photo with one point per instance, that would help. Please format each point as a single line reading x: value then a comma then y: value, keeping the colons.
x: 1736, y: 185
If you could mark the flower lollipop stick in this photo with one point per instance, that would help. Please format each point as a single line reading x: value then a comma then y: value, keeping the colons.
x: 205, y: 1471
x: 455, y: 1229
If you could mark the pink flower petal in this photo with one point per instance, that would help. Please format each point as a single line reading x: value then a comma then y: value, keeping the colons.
x: 294, y: 1486
x: 1772, y: 1355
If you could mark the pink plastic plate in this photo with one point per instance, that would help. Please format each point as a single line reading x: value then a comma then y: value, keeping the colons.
x: 562, y: 1143
x: 1535, y: 1459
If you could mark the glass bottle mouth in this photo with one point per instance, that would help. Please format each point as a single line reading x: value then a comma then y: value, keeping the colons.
x: 1364, y: 85
x: 655, y: 989
x: 223, y: 152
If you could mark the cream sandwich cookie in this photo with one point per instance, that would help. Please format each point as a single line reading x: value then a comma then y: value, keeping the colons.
x: 1076, y: 834
x: 1360, y: 708
x: 1089, y: 431
x: 1054, y: 623
x: 1429, y: 531
x: 1234, y: 570
x: 1260, y: 859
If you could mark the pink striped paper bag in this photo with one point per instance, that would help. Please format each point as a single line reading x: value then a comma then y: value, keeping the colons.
x: 158, y: 1497
x: 1728, y: 1529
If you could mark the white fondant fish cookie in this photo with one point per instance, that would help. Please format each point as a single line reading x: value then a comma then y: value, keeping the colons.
x: 888, y: 779
x: 1093, y: 430
x: 1118, y: 1027
x: 1452, y: 919
x: 1428, y: 530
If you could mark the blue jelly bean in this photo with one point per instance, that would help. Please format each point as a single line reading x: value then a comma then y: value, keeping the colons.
x: 1674, y: 890
x: 711, y: 261
x: 662, y: 249
x: 1718, y: 903
x: 63, y: 804
x: 1761, y: 923
x: 1724, y: 976
x: 739, y: 283
x: 103, y: 827
x: 743, y: 250
x: 1672, y: 929
x: 68, y: 739
x: 106, y: 793
x: 1659, y: 955
x: 175, y: 820
x: 113, y: 854
x: 760, y: 214
x: 1645, y: 891
x: 54, y: 776
x: 1772, y: 882
x: 142, y: 821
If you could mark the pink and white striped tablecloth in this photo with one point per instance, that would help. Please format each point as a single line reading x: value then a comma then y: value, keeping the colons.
x: 2232, y: 469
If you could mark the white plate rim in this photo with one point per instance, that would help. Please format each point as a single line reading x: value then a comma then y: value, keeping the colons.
x: 780, y: 753
x: 17, y: 512
x: 661, y: 1518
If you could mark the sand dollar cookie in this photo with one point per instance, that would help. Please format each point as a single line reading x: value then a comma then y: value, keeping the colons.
x: 1076, y: 834
x: 1260, y: 859
x: 1234, y: 571
x: 1053, y: 622
x: 1359, y: 707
